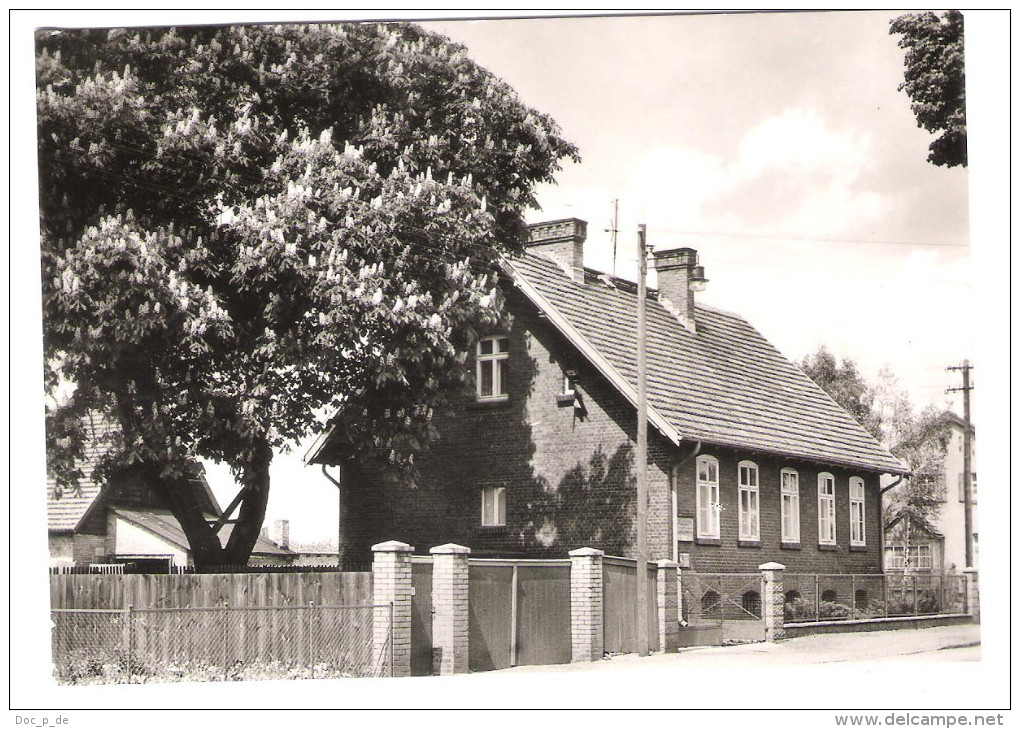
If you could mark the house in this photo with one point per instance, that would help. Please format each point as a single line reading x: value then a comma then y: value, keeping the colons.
x: 748, y: 460
x: 912, y: 544
x: 950, y: 521
x: 120, y: 521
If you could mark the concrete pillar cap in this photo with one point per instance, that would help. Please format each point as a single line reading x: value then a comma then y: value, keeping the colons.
x: 450, y: 549
x: 969, y: 570
x: 392, y: 546
x: 666, y: 563
x: 586, y: 552
x: 772, y: 566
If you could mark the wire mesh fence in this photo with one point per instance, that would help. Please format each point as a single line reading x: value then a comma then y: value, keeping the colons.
x: 221, y: 643
x: 812, y: 598
x: 714, y: 597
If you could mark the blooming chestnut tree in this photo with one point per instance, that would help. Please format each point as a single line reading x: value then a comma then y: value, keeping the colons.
x: 245, y: 227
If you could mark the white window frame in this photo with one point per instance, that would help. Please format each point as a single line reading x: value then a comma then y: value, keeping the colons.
x: 826, y: 508
x: 496, y: 496
x: 712, y: 509
x: 491, y: 360
x: 789, y: 505
x: 857, y: 513
x: 749, y: 487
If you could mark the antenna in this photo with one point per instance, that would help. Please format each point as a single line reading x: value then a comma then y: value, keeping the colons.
x: 615, y: 224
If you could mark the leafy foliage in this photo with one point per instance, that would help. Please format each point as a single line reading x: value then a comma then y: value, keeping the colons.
x: 245, y: 227
x: 845, y: 384
x: 934, y: 80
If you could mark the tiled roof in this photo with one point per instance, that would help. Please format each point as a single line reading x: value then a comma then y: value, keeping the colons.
x: 724, y: 384
x: 166, y: 527
x: 64, y: 512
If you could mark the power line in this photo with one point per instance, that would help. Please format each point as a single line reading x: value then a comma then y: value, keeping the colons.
x: 810, y: 239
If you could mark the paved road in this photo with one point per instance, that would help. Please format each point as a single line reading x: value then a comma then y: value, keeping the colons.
x: 950, y: 643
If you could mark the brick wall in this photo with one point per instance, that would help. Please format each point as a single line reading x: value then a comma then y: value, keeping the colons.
x: 568, y: 478
x: 89, y: 548
x: 730, y: 556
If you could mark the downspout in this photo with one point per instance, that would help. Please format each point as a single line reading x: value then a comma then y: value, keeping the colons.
x: 673, y: 495
x: 339, y: 515
x: 881, y: 519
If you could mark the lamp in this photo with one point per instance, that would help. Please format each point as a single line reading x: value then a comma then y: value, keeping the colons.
x: 697, y: 280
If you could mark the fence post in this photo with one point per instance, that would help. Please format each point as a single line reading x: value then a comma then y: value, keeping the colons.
x: 225, y: 627
x: 885, y: 593
x: 586, y: 627
x: 914, y: 582
x: 391, y: 583
x: 450, y: 609
x: 853, y: 596
x: 972, y: 596
x: 818, y: 606
x: 772, y: 600
x: 130, y: 616
x: 666, y: 577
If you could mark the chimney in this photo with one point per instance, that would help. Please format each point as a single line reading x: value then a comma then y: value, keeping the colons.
x: 281, y: 533
x: 679, y: 277
x: 563, y: 241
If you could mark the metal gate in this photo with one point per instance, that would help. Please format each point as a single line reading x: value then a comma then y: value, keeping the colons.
x: 721, y: 608
x: 519, y: 613
x: 618, y: 606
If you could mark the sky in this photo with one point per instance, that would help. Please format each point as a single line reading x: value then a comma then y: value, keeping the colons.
x: 775, y: 144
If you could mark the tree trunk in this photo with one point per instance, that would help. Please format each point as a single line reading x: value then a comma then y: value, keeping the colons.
x: 181, y: 497
x: 255, y: 481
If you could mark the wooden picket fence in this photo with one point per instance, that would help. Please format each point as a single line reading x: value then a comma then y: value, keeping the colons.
x: 120, y: 591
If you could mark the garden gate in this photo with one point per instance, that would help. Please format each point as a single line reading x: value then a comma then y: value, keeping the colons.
x: 721, y: 608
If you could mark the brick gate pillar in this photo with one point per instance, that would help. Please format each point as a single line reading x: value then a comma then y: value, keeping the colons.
x: 973, y: 597
x: 772, y: 600
x: 450, y: 609
x: 391, y: 585
x: 667, y: 579
x: 586, y: 636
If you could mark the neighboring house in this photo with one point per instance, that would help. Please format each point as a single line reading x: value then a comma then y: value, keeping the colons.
x: 120, y: 521
x: 912, y: 544
x: 950, y: 521
x: 748, y: 460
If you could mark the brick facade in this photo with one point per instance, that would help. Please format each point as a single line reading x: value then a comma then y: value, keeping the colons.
x: 569, y: 477
x: 731, y: 555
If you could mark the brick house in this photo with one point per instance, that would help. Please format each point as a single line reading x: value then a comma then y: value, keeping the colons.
x: 748, y: 460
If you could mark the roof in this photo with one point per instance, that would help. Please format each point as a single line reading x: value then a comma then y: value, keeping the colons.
x: 724, y: 384
x: 163, y: 524
x: 65, y: 511
x: 916, y: 519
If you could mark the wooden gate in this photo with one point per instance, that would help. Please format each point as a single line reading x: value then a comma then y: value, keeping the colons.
x: 519, y: 613
x: 421, y: 616
x: 721, y: 609
x: 618, y: 606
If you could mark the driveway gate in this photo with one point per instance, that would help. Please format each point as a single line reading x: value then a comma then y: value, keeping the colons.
x: 719, y: 609
x: 519, y: 613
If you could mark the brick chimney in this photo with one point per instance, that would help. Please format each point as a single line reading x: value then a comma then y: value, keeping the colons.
x: 563, y: 241
x: 676, y: 269
x: 281, y: 533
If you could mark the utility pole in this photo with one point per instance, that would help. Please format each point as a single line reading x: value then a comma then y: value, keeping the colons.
x: 641, y: 580
x: 614, y: 231
x: 968, y: 517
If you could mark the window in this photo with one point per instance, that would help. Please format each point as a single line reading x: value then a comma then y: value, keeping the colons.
x: 709, y: 601
x: 492, y: 367
x: 747, y: 485
x: 494, y: 506
x: 857, y: 511
x: 914, y: 556
x: 826, y: 508
x: 708, y: 497
x: 790, y: 504
x: 829, y: 596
